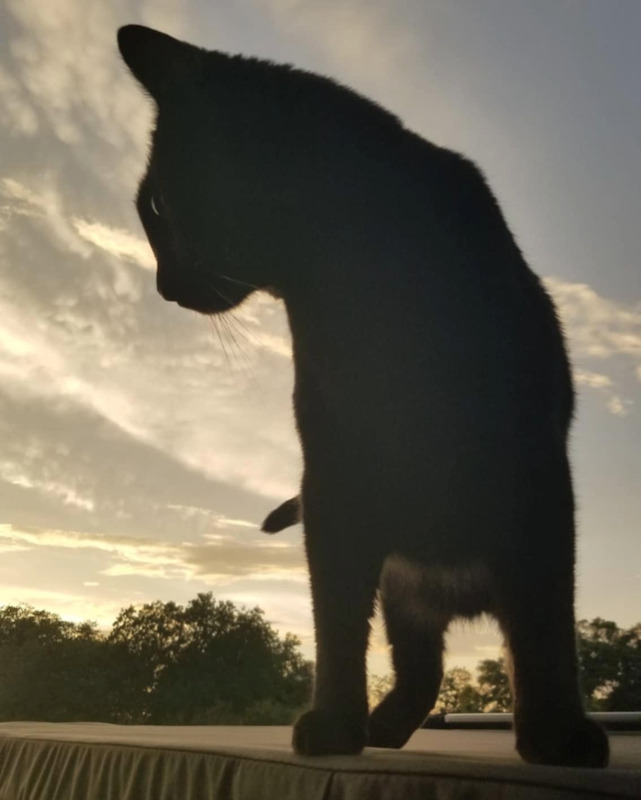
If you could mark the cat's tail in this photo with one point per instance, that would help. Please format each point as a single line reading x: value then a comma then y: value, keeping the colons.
x: 288, y: 513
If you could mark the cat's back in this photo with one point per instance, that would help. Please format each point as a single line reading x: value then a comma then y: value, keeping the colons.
x: 435, y: 307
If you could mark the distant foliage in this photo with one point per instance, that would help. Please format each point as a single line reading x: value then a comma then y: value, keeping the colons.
x: 610, y: 660
x: 206, y: 663
x: 212, y: 663
x: 458, y: 693
x: 610, y: 667
x: 494, y: 685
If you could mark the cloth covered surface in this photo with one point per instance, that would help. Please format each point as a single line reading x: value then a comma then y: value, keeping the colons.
x: 97, y: 761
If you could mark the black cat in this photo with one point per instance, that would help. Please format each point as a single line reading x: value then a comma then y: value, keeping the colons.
x: 433, y: 393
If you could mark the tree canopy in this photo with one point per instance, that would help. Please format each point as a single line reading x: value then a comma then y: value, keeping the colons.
x: 610, y: 673
x: 207, y: 662
x: 211, y: 662
x: 610, y: 659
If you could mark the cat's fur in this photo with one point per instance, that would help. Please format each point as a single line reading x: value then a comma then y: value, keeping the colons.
x: 433, y: 394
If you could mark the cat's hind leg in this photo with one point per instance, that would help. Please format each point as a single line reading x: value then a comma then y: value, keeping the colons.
x: 535, y: 609
x: 416, y: 635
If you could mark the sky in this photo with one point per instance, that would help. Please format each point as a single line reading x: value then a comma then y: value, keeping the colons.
x: 141, y: 446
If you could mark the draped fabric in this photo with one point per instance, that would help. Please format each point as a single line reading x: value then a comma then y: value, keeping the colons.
x: 96, y: 761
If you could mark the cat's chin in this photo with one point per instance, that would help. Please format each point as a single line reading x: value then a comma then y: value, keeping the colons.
x: 205, y: 302
x: 206, y: 308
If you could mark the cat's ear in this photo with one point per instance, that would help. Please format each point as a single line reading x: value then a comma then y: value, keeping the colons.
x: 156, y: 59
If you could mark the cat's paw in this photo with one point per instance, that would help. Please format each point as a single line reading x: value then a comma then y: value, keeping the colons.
x: 576, y: 743
x: 391, y: 723
x: 319, y: 732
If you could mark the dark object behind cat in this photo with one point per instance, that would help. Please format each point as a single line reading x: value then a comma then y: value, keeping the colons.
x: 433, y: 393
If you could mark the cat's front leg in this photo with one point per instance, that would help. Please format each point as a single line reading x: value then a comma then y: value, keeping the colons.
x: 344, y: 576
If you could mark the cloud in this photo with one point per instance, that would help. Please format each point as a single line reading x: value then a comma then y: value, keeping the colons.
x: 116, y: 241
x: 14, y: 473
x: 65, y: 56
x: 75, y: 607
x: 45, y: 206
x: 161, y: 375
x: 592, y: 379
x: 219, y: 521
x: 356, y: 38
x: 619, y: 407
x: 19, y: 115
x: 215, y: 561
x: 599, y: 330
x: 597, y: 326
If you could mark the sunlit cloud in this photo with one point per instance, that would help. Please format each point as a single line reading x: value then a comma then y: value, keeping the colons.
x: 15, y: 474
x: 218, y: 521
x: 592, y: 379
x: 46, y: 206
x: 117, y: 242
x: 64, y: 55
x: 216, y: 562
x: 72, y: 606
x: 597, y: 326
x: 595, y: 380
x: 619, y: 407
x: 599, y: 330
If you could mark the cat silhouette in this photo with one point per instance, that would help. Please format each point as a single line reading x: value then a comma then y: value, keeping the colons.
x: 433, y: 394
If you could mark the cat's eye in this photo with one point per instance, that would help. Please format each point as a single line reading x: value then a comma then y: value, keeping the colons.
x: 155, y: 206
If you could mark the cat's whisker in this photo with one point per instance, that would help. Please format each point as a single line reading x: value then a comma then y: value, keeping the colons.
x: 230, y: 312
x: 244, y: 329
x: 223, y: 297
x: 243, y: 359
x: 215, y: 326
x: 240, y: 283
x: 237, y: 319
x: 225, y: 322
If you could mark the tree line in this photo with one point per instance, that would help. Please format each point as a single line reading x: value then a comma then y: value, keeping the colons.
x: 610, y: 672
x: 210, y: 662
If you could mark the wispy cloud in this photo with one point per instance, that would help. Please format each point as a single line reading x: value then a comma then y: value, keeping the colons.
x: 357, y: 38
x: 600, y: 331
x: 105, y: 341
x: 217, y: 561
x: 46, y: 206
x: 64, y: 57
x: 592, y: 379
x: 595, y: 380
x: 15, y: 473
x: 618, y: 406
x: 19, y: 115
x: 218, y: 521
x: 597, y: 326
x: 116, y: 241
x: 76, y: 606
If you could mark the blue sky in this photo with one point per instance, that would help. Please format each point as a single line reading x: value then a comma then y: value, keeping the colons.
x: 138, y: 454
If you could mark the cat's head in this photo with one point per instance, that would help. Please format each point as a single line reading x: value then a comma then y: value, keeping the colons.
x: 252, y: 165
